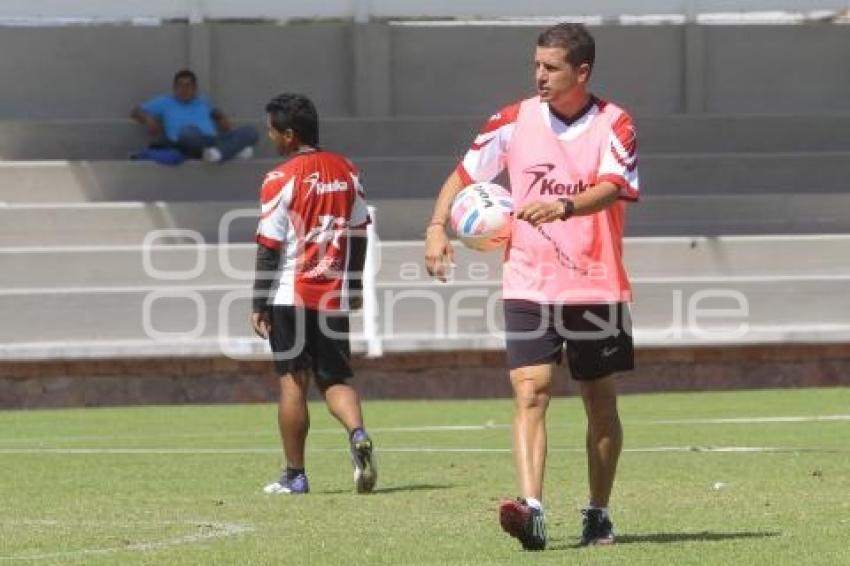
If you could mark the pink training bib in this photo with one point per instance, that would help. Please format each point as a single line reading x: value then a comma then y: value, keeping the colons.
x: 578, y: 260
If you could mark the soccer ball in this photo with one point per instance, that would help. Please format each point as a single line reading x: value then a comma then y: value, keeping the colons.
x: 481, y: 216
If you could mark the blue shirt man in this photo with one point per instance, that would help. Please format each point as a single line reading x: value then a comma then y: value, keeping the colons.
x: 175, y: 114
x: 190, y: 124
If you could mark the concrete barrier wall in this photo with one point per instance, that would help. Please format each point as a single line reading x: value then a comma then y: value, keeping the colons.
x: 362, y: 10
x: 86, y: 72
x: 379, y: 69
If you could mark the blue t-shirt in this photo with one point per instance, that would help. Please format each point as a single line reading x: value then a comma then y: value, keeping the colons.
x: 176, y: 114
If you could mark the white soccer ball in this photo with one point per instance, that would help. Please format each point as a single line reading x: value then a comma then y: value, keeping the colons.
x: 481, y: 216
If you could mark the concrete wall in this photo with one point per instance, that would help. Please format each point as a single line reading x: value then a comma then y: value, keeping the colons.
x: 382, y: 70
x: 364, y: 9
x: 87, y: 72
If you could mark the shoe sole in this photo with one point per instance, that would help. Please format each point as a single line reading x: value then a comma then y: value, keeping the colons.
x: 365, y: 477
x: 512, y: 518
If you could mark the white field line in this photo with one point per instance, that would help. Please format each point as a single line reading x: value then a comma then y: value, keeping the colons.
x: 404, y: 450
x: 753, y: 420
x: 215, y: 531
x: 491, y: 425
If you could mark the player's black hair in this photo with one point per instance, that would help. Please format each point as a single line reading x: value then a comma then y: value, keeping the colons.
x: 295, y: 112
x: 185, y: 74
x: 580, y: 46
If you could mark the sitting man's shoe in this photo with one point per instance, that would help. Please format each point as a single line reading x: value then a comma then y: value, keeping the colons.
x: 211, y: 155
x: 524, y: 523
x: 289, y: 484
x: 596, y: 528
x: 246, y: 153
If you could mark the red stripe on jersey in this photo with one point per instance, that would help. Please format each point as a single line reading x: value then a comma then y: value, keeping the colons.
x: 464, y: 176
x: 622, y: 159
x: 477, y: 146
x: 272, y: 185
x: 269, y: 243
x: 624, y: 129
x: 505, y: 116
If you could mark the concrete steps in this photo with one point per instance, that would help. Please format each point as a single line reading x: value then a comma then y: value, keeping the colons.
x: 722, y: 258
x: 666, y: 313
x: 442, y: 135
x: 97, y: 302
x: 406, y: 178
x: 130, y: 223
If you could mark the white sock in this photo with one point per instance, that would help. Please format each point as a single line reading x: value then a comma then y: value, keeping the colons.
x: 534, y: 504
x: 603, y: 509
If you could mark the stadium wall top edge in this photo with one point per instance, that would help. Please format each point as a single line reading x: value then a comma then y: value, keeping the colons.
x: 824, y: 16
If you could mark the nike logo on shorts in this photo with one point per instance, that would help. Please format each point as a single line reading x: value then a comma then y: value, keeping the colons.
x: 608, y: 352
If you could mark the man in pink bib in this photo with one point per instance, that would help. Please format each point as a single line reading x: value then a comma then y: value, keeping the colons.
x: 572, y: 163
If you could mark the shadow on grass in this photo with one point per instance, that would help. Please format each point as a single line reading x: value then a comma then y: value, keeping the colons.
x: 395, y: 489
x: 670, y: 538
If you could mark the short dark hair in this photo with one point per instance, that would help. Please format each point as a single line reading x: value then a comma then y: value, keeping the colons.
x: 295, y: 112
x: 580, y: 46
x: 185, y: 74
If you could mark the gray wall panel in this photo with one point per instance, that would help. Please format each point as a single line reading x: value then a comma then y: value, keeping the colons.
x: 86, y: 72
x: 252, y: 63
x: 777, y: 69
x: 476, y: 70
x: 460, y: 70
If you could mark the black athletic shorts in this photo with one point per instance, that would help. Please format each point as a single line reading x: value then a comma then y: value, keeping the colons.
x: 598, y: 337
x: 307, y: 339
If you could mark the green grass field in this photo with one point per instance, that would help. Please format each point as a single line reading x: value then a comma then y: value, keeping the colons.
x: 181, y: 485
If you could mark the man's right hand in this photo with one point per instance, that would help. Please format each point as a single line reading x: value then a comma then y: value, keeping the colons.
x: 153, y: 127
x: 261, y: 323
x: 439, y: 255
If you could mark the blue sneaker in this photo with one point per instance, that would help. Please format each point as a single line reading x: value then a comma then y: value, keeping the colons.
x: 289, y: 485
x: 365, y: 472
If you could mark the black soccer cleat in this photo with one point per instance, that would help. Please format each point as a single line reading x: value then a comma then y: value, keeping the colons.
x: 597, y: 528
x: 523, y: 523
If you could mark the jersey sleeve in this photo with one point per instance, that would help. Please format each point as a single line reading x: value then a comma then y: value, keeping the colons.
x: 619, y: 159
x: 275, y: 198
x: 487, y: 155
x: 359, y: 209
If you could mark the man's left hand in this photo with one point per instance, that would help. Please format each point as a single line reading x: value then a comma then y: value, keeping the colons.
x: 537, y: 213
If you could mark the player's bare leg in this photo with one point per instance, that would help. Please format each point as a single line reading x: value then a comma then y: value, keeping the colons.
x: 524, y: 518
x: 531, y: 398
x: 604, y: 444
x: 293, y: 417
x: 344, y: 403
x: 604, y: 437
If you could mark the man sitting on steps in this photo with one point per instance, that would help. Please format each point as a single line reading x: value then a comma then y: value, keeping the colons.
x: 191, y: 124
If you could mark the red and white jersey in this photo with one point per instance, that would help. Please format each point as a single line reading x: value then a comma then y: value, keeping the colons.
x: 309, y: 204
x: 579, y: 260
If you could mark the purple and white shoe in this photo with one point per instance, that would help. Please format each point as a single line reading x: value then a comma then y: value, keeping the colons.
x: 365, y: 471
x: 289, y: 484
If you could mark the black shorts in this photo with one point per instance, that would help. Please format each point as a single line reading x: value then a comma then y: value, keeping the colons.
x: 598, y: 337
x: 307, y: 339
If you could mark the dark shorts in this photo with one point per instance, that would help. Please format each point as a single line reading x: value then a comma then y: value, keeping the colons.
x: 598, y: 337
x: 307, y: 339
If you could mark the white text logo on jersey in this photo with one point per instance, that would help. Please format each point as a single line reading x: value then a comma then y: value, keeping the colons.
x: 320, y: 187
